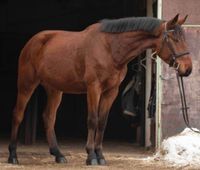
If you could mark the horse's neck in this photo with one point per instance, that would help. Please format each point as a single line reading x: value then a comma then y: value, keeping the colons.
x: 126, y: 46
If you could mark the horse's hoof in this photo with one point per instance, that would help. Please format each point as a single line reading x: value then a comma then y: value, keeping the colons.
x: 92, y: 162
x: 61, y: 159
x: 101, y: 161
x: 13, y: 160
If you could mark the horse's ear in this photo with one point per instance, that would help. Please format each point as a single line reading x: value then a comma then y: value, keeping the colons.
x: 182, y: 20
x: 171, y: 23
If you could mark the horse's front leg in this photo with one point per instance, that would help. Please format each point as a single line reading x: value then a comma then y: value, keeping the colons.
x: 107, y: 99
x: 93, y: 97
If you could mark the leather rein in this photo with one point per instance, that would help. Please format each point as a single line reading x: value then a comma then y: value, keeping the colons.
x: 184, y: 107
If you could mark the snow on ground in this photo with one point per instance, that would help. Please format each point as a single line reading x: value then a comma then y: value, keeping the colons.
x: 181, y: 150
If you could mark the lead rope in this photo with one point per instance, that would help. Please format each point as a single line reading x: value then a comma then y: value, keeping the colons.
x: 184, y: 107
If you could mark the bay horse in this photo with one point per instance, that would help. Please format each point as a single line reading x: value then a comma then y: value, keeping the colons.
x: 93, y: 61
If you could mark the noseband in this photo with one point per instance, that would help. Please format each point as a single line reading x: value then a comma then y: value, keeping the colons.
x: 173, y: 55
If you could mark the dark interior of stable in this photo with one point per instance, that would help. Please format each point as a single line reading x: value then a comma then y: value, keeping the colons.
x: 22, y: 19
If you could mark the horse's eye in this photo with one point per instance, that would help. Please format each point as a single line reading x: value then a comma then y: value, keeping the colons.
x: 174, y: 38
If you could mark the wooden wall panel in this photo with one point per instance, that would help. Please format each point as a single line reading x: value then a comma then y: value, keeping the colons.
x: 183, y: 7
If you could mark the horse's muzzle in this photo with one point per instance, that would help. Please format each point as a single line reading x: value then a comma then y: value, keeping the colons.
x: 186, y: 73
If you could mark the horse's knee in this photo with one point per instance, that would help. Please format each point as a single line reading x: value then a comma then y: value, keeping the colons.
x: 101, y: 126
x: 92, y: 123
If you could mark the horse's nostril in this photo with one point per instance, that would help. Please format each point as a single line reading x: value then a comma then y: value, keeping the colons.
x: 188, y: 72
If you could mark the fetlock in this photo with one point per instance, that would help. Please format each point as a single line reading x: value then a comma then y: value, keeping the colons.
x: 12, y: 154
x: 59, y: 157
x: 100, y: 158
x: 91, y: 158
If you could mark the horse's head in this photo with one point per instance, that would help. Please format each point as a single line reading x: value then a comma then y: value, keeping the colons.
x: 171, y: 46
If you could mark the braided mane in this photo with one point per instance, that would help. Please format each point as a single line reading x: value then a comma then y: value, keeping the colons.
x: 148, y: 24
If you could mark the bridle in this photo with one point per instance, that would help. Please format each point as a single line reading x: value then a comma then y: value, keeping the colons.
x: 173, y: 55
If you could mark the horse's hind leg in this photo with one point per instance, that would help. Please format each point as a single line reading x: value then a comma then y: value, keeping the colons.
x: 93, y: 97
x: 53, y: 100
x: 106, y: 102
x: 26, y: 86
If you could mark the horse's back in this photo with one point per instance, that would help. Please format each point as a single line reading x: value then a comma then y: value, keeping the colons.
x: 54, y: 40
